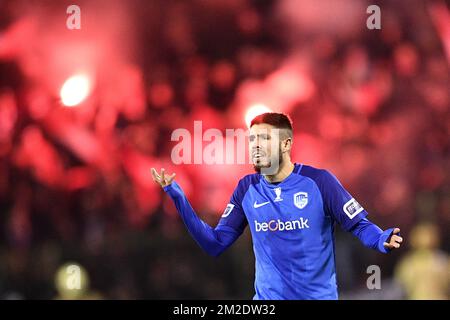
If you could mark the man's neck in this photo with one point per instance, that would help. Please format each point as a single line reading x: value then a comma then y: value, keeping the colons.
x: 285, y: 170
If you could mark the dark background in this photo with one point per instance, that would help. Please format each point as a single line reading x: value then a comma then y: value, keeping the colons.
x: 372, y: 106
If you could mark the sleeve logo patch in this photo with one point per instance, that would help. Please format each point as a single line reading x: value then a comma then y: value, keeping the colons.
x: 228, y: 210
x: 352, y: 208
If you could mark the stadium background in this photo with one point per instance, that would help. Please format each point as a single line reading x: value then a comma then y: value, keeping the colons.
x: 372, y: 106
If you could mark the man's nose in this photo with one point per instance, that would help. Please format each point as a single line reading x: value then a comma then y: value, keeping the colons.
x: 257, y: 145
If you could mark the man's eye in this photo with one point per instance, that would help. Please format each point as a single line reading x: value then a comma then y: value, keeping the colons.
x: 252, y: 138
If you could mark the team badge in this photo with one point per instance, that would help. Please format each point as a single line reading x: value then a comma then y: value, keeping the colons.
x: 301, y: 199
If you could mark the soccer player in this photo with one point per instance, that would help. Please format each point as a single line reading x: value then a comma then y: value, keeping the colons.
x: 291, y: 213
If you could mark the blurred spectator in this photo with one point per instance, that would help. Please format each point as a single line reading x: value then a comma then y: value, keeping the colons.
x: 424, y: 271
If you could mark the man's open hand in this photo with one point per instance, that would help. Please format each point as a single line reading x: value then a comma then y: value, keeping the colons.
x: 161, y: 178
x: 394, y: 240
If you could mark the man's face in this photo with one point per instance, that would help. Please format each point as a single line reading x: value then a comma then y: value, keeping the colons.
x: 264, y: 146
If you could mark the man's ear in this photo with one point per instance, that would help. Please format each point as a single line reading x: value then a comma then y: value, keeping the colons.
x: 287, y: 144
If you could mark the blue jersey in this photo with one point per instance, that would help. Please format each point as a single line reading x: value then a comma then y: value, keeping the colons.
x: 292, y: 230
x: 292, y: 226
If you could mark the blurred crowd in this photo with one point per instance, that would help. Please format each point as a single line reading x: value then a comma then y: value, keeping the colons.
x: 372, y: 106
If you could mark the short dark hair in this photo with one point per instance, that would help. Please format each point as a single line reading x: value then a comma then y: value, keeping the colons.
x: 278, y: 120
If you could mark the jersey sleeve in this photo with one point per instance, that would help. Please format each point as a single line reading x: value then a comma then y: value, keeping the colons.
x: 371, y: 235
x: 338, y: 202
x: 213, y: 240
x: 233, y: 217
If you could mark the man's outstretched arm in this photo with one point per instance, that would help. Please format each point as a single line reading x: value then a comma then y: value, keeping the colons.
x: 340, y: 205
x: 213, y: 240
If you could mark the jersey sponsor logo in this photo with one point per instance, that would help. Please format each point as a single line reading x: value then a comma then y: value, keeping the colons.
x: 227, y: 210
x: 278, y: 225
x: 257, y: 205
x: 352, y: 208
x: 301, y: 199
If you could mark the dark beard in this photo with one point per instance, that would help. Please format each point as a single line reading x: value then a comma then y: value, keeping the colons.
x: 280, y: 162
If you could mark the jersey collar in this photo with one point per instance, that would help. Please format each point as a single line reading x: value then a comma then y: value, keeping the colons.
x: 286, y: 180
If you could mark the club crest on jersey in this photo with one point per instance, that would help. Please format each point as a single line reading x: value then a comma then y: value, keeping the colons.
x: 227, y: 210
x: 301, y: 199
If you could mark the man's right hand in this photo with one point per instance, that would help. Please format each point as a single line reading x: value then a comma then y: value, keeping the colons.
x: 161, y: 178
